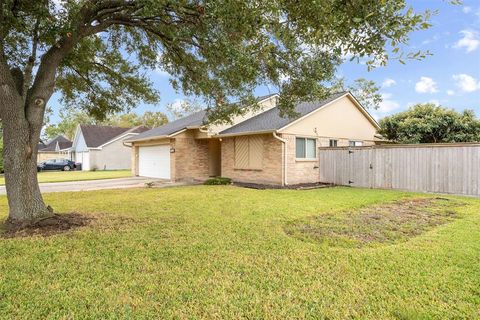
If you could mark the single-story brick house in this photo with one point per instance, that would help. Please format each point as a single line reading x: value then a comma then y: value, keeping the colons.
x: 259, y: 147
x: 101, y: 147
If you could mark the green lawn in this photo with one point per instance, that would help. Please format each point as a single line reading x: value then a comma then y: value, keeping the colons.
x: 226, y: 252
x: 62, y: 176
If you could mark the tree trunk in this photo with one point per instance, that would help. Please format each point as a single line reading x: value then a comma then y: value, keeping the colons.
x: 20, y: 139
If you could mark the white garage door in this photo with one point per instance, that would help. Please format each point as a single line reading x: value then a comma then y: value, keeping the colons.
x: 154, y: 161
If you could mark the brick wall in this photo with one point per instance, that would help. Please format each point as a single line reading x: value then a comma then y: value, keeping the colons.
x: 271, y: 172
x: 190, y: 159
x: 299, y: 171
x: 306, y: 171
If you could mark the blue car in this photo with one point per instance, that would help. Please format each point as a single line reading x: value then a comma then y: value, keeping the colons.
x: 56, y: 164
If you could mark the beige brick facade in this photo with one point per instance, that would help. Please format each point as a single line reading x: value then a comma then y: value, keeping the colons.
x: 190, y: 159
x: 271, y: 171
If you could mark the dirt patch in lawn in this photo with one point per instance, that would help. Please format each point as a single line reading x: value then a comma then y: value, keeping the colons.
x: 55, y: 224
x: 63, y: 223
x: 386, y: 223
x: 301, y: 186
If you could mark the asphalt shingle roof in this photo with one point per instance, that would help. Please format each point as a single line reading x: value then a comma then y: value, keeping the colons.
x: 96, y: 136
x: 271, y: 120
x: 196, y: 119
x: 63, y: 143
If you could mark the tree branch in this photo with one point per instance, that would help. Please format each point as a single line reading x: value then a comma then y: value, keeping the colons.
x: 31, y: 61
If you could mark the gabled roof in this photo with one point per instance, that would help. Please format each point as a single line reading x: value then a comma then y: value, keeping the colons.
x: 61, y: 141
x: 194, y: 120
x: 271, y: 120
x: 96, y: 136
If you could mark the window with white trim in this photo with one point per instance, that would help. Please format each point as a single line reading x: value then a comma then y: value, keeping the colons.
x: 352, y: 143
x: 333, y: 143
x: 305, y: 148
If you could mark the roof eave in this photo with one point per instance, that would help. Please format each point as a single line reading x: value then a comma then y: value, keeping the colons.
x: 147, y: 139
x: 246, y: 133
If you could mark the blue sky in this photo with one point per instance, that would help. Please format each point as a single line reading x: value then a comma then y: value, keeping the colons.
x: 450, y: 77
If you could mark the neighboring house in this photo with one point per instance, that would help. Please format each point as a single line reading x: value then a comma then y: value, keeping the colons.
x: 260, y: 147
x: 102, y: 148
x: 59, y: 147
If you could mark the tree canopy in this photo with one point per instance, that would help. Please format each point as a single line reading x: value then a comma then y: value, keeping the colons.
x: 428, y: 123
x: 219, y: 50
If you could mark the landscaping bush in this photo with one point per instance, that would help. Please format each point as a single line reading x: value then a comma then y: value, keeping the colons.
x: 218, y: 181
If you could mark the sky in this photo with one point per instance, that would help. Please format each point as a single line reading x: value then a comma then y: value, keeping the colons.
x: 449, y: 77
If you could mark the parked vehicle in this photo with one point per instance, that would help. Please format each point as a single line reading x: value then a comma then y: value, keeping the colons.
x: 56, y: 164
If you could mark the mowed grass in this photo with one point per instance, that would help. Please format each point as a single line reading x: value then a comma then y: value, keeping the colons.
x: 222, y: 252
x: 63, y: 176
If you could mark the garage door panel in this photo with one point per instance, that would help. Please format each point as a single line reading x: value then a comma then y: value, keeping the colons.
x: 154, y: 161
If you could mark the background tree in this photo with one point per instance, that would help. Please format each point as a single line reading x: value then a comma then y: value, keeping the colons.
x: 95, y: 52
x: 70, y: 119
x: 153, y: 119
x: 183, y: 108
x: 428, y: 123
x: 365, y: 91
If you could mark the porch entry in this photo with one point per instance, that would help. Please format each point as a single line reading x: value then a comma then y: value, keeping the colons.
x: 214, y: 158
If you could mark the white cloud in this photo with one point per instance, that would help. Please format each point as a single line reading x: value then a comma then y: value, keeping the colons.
x: 450, y: 92
x: 178, y: 105
x: 387, y: 104
x: 466, y: 83
x: 426, y: 85
x: 467, y: 9
x: 432, y: 39
x: 470, y: 40
x: 387, y: 83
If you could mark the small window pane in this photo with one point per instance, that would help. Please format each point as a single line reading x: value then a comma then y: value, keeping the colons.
x: 355, y: 143
x: 300, y: 148
x: 333, y: 143
x: 311, y: 146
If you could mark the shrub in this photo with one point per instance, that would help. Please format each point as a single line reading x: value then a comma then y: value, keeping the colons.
x: 218, y: 181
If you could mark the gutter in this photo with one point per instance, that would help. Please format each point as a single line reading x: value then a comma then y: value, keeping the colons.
x: 284, y: 153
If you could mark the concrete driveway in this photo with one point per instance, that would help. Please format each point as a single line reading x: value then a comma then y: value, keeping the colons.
x: 122, y: 183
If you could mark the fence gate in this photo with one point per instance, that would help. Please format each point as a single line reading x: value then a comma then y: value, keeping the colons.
x: 349, y: 167
x: 442, y: 168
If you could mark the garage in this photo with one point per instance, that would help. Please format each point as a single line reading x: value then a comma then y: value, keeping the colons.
x: 154, y: 161
x: 84, y: 159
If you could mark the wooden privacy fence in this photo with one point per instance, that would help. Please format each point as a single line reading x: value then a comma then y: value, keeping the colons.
x: 441, y: 168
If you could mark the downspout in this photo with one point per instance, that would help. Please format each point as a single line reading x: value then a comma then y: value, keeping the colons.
x: 284, y: 153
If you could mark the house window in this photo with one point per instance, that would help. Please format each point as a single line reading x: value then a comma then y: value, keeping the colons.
x: 305, y: 148
x: 333, y: 143
x: 249, y: 152
x: 352, y: 143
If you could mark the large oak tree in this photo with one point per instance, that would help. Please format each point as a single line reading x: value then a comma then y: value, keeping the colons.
x: 429, y: 123
x: 95, y: 53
